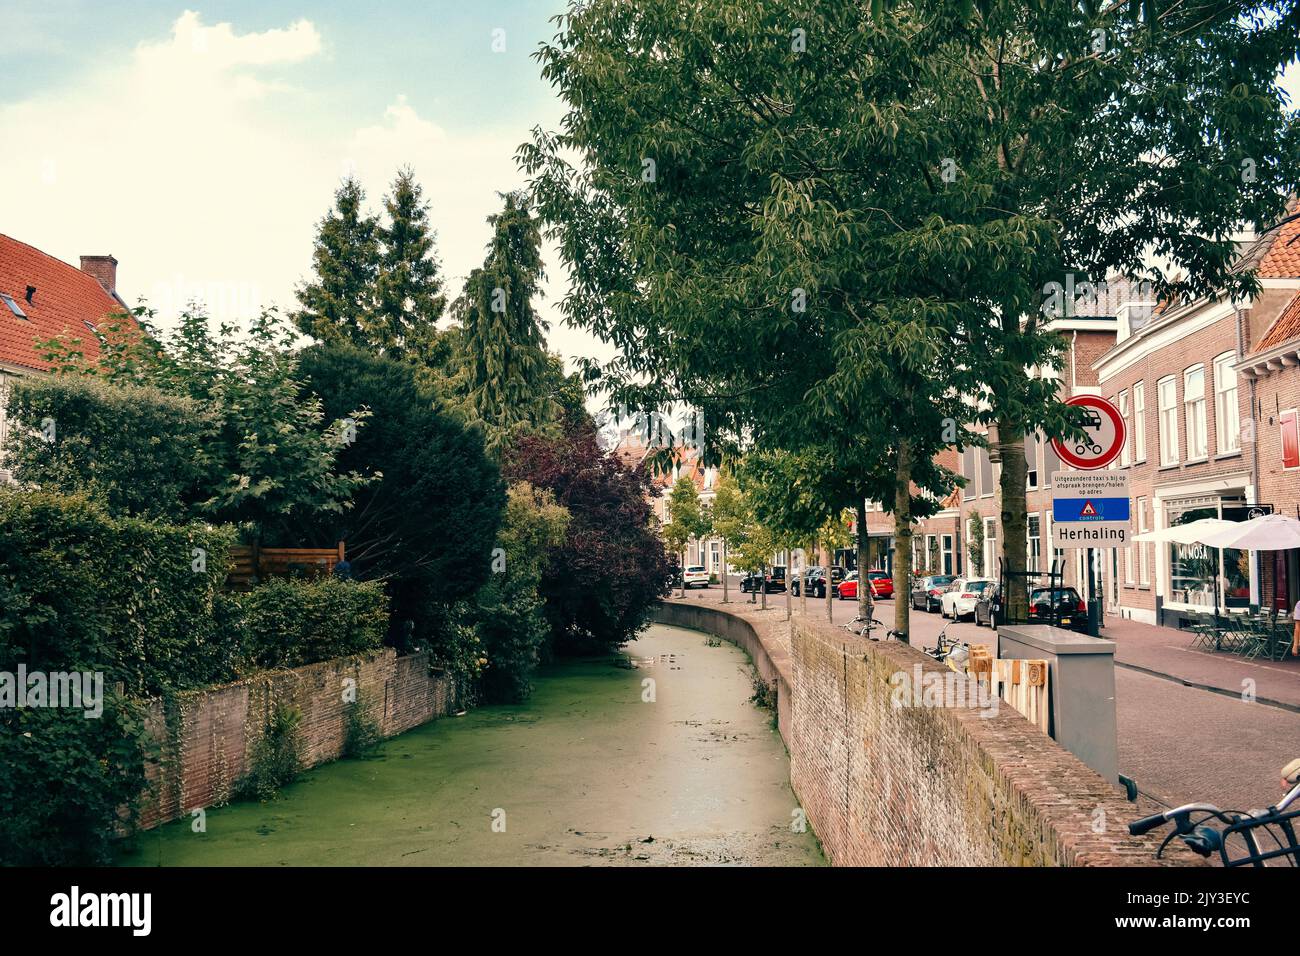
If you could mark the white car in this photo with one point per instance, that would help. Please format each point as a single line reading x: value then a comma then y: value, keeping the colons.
x: 696, y: 576
x: 961, y: 597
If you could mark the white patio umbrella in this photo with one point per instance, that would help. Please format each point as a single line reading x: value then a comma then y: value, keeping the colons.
x: 1194, y: 532
x: 1265, y: 533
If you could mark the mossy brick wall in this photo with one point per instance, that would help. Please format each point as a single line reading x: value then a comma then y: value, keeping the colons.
x: 204, y: 738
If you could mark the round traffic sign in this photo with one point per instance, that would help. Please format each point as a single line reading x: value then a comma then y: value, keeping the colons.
x: 1104, y: 435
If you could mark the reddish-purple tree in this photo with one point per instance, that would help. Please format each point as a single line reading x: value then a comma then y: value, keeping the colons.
x: 600, y: 584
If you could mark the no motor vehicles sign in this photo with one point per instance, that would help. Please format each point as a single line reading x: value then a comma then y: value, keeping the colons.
x: 1104, y: 435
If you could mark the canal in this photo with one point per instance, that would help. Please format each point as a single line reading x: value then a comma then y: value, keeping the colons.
x: 654, y: 757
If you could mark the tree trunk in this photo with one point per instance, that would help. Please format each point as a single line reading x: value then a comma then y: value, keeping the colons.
x: 726, y: 578
x: 903, y: 540
x: 864, y: 584
x: 762, y: 585
x: 826, y: 579
x: 803, y: 586
x: 683, y: 566
x: 1011, y: 442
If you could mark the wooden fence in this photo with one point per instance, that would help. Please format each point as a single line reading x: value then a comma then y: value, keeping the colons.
x: 252, y: 564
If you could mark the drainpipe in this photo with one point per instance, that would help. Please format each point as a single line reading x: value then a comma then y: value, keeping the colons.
x: 1254, y: 452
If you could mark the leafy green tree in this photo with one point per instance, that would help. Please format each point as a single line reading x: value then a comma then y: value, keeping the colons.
x: 338, y: 303
x: 408, y: 288
x: 504, y: 364
x: 809, y: 185
x: 273, y: 456
x: 744, y: 213
x: 688, y: 520
x: 436, y: 486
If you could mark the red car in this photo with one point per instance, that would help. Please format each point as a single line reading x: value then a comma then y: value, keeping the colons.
x: 882, y: 586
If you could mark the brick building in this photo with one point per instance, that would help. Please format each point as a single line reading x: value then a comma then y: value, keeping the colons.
x: 1204, y: 387
x: 41, y: 298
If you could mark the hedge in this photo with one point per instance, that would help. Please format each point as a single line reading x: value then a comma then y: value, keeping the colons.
x: 291, y: 622
x: 80, y: 589
x: 136, y: 449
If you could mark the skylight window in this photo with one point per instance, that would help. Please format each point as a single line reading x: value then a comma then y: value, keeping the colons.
x: 13, y: 306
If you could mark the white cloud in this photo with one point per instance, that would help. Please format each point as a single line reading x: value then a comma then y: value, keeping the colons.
x: 187, y: 161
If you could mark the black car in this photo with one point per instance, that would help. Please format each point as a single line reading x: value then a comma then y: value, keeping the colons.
x: 814, y: 581
x: 1061, y: 607
x: 774, y: 580
x: 988, y: 609
x: 925, y: 591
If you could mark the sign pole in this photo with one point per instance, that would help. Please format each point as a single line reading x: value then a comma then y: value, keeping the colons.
x: 1094, y: 606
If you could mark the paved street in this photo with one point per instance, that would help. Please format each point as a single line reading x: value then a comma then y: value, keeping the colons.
x: 1179, y: 743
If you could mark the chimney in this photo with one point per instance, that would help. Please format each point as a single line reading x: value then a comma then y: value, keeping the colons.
x: 103, y: 269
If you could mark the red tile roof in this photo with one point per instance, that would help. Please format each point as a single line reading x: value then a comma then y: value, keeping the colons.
x: 1285, y: 326
x: 64, y: 300
x: 1282, y: 260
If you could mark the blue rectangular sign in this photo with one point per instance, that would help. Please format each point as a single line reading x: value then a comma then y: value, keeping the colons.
x: 1090, y: 509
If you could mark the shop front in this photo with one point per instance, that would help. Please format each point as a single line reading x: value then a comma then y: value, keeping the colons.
x: 1196, y: 579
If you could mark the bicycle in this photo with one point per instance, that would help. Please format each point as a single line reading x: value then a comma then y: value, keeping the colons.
x: 949, y: 651
x: 869, y: 624
x: 1205, y: 839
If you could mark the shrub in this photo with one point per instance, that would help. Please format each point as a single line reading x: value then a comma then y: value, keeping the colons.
x: 135, y: 449
x: 277, y: 755
x: 288, y: 622
x: 81, y: 590
x: 65, y: 781
x: 511, y: 624
x: 361, y: 732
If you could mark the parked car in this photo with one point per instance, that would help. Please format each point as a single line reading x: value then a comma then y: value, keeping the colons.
x: 926, y: 591
x: 1062, y: 607
x: 814, y: 581
x: 960, y: 598
x: 697, y: 576
x: 773, y: 580
x: 988, y: 609
x: 882, y: 585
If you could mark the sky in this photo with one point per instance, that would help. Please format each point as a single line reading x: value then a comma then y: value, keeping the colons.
x: 201, y: 145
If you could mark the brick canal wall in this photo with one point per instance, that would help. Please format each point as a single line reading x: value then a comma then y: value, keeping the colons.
x: 204, y: 738
x: 921, y: 785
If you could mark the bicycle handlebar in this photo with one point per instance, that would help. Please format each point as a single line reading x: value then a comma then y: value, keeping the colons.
x: 1146, y: 824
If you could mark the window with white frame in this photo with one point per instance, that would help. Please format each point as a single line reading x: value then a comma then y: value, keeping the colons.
x: 1140, y: 421
x: 1227, y: 417
x: 1166, y: 396
x: 1031, y: 461
x: 1144, y: 565
x: 1194, y: 412
x: 1033, y: 544
x: 1123, y: 413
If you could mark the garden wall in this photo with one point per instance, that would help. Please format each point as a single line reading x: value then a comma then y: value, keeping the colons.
x: 921, y: 785
x: 204, y: 737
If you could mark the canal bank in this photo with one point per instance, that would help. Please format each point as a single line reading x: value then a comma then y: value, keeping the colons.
x: 598, y: 767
